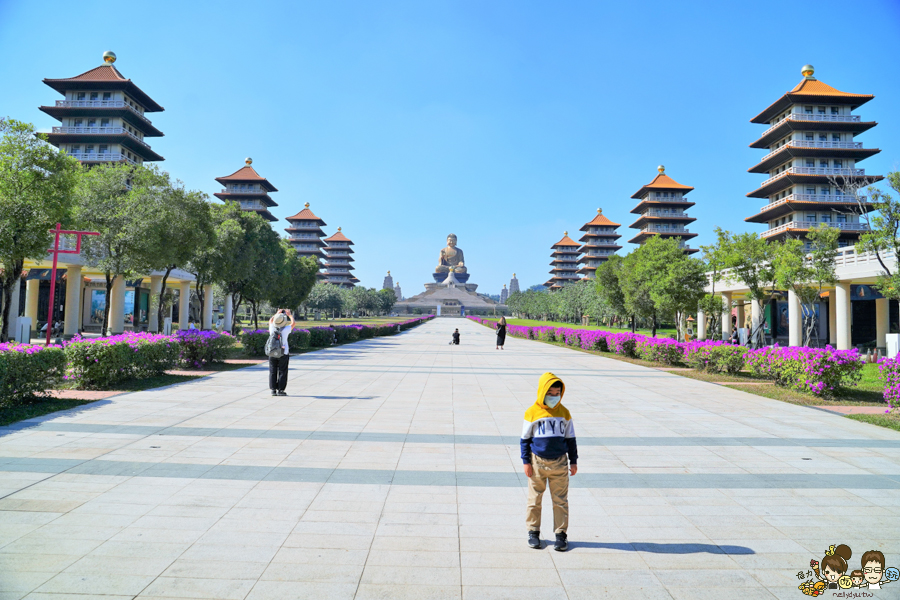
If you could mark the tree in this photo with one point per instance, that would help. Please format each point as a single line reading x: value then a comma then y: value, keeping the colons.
x: 297, y: 276
x: 609, y: 290
x: 180, y: 234
x: 387, y: 299
x: 808, y: 273
x: 636, y: 286
x: 711, y: 304
x: 243, y: 238
x: 325, y: 297
x: 36, y: 183
x: 262, y: 282
x: 112, y: 199
x: 748, y: 259
x: 884, y: 235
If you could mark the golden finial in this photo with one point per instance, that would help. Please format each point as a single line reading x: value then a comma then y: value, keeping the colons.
x: 339, y: 228
x: 599, y: 211
x: 248, y: 161
x: 514, y: 275
x: 504, y: 285
x: 306, y: 205
x: 389, y: 272
x: 808, y: 71
x: 565, y: 233
x: 661, y: 169
x: 109, y: 57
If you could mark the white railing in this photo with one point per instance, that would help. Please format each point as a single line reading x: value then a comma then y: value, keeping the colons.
x: 100, y: 131
x: 99, y: 104
x: 814, y: 144
x: 657, y: 197
x: 815, y: 171
x: 810, y: 225
x: 252, y: 205
x: 660, y: 229
x: 248, y: 191
x: 840, y: 198
x: 101, y: 157
x: 655, y: 212
x: 821, y: 118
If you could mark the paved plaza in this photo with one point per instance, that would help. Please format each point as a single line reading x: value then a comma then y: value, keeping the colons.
x: 392, y: 471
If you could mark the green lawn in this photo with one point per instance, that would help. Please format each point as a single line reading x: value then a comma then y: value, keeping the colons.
x: 533, y: 323
x: 263, y: 322
x: 13, y: 414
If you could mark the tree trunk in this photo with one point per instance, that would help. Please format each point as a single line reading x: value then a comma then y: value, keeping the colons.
x: 162, y: 292
x: 633, y: 323
x: 9, y: 283
x: 255, y: 314
x: 109, y: 284
x: 200, y: 296
x: 653, y: 326
x: 236, y: 300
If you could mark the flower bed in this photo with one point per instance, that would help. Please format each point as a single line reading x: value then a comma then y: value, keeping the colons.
x: 27, y: 371
x: 817, y: 371
x: 889, y: 373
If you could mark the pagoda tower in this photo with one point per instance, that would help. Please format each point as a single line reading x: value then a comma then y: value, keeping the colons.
x: 564, y: 263
x: 811, y: 162
x: 599, y: 243
x: 661, y: 208
x: 337, y: 260
x: 102, y: 117
x: 249, y: 190
x: 504, y: 295
x: 306, y: 235
x: 398, y: 292
x: 388, y: 282
x: 513, y: 285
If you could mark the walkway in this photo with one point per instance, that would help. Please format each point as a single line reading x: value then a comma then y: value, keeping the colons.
x: 393, y: 471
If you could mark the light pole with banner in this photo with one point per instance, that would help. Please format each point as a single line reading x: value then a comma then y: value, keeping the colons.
x: 55, y: 251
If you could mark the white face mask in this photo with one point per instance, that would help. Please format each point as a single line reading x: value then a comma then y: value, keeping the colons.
x: 551, y: 401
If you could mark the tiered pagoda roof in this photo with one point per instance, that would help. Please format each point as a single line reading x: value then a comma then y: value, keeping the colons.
x: 306, y: 234
x: 337, y: 260
x: 102, y: 118
x: 811, y: 160
x: 600, y: 242
x: 564, y: 263
x: 661, y: 209
x: 246, y: 187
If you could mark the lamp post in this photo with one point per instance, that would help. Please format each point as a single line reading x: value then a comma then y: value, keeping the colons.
x: 55, y: 251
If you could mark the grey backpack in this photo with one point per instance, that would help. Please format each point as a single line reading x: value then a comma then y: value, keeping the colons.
x: 274, y: 348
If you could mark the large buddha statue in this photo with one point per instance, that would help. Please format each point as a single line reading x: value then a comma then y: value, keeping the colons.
x: 451, y: 257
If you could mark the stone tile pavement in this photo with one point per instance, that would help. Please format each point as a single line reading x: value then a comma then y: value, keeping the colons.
x: 392, y: 471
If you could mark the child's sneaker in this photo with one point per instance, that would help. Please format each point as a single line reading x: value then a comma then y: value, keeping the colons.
x: 534, y: 539
x: 562, y: 543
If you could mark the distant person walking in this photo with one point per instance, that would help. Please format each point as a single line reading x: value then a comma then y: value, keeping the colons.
x: 501, y: 333
x: 281, y: 324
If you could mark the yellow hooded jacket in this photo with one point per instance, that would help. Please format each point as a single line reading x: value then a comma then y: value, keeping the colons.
x: 548, y: 432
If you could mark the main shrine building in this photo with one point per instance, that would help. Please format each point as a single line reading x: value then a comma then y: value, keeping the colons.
x: 249, y: 190
x: 811, y: 162
x: 102, y: 118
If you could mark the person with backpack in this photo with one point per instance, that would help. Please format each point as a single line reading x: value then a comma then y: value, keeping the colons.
x: 280, y: 326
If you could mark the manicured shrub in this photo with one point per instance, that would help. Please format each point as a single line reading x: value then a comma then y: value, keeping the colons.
x: 662, y: 350
x: 199, y: 348
x: 254, y: 341
x: 623, y: 344
x: 299, y: 338
x: 889, y: 374
x: 320, y: 337
x: 27, y: 372
x: 103, y: 362
x: 715, y: 357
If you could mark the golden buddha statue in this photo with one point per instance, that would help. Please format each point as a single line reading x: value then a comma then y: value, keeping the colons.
x: 451, y: 257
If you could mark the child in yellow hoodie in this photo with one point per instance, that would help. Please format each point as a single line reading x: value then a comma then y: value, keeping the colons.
x: 549, y: 454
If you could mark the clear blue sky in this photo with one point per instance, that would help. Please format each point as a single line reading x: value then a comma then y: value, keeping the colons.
x: 505, y: 122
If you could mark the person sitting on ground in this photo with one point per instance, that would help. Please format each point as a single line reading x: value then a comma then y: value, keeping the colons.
x: 282, y: 322
x: 549, y: 454
x: 455, y: 337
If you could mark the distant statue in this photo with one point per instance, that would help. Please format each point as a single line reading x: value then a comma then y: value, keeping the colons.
x: 451, y: 257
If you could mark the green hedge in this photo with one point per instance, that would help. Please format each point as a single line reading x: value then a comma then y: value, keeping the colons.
x: 102, y: 362
x: 26, y: 372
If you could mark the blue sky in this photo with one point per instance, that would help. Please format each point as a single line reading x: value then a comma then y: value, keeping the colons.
x: 503, y: 122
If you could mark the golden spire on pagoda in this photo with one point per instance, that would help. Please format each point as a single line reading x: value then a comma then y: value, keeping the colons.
x: 661, y: 169
x: 808, y: 71
x: 248, y: 161
x: 109, y: 57
x: 306, y: 205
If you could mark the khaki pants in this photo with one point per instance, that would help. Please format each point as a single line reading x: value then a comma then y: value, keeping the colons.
x: 557, y: 473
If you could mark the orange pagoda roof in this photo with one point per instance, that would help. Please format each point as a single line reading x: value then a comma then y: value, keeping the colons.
x: 306, y: 215
x: 248, y: 174
x: 338, y: 237
x: 566, y: 241
x: 810, y: 89
x: 599, y: 220
x: 104, y: 77
x: 661, y: 182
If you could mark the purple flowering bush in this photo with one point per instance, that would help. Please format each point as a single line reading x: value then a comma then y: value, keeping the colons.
x: 889, y: 374
x: 102, y: 362
x: 27, y: 371
x: 199, y: 348
x: 815, y: 370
